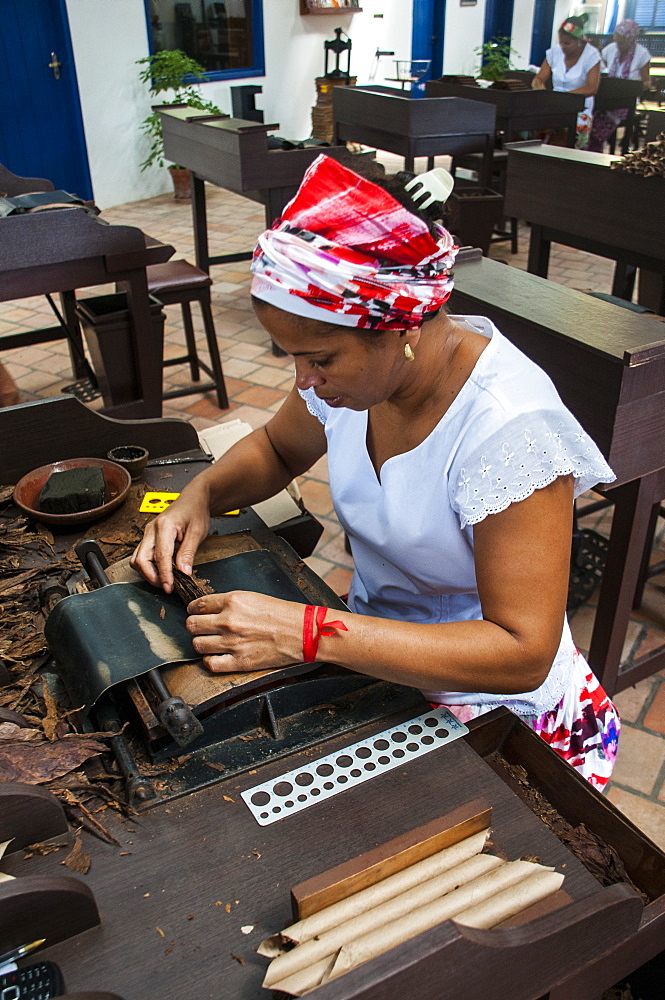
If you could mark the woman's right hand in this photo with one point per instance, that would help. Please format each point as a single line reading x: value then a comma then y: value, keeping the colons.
x: 185, y: 524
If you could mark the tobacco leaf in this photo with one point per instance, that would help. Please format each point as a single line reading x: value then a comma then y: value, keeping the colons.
x: 77, y: 860
x: 41, y: 849
x: 188, y: 588
x: 52, y: 717
x: 11, y: 732
x: 36, y: 762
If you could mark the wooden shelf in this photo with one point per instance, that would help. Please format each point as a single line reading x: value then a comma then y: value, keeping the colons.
x: 306, y: 9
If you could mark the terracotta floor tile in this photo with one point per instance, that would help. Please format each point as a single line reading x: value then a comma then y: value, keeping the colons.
x: 236, y: 367
x: 339, y: 580
x: 319, y: 566
x: 655, y: 717
x: 235, y: 385
x: 271, y: 377
x: 207, y: 407
x: 260, y: 395
x: 336, y: 552
x: 630, y: 702
x: 250, y: 414
x: 316, y: 497
x: 639, y: 760
x: 648, y: 816
x: 243, y: 351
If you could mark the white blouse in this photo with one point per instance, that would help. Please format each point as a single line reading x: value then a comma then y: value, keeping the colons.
x: 506, y: 434
x: 575, y: 77
x: 641, y: 57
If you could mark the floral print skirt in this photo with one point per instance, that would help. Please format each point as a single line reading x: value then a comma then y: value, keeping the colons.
x: 583, y: 728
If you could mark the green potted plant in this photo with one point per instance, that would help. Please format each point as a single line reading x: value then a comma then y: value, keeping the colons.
x: 494, y: 58
x: 171, y: 70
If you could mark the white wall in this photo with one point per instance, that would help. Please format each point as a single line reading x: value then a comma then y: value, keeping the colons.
x: 295, y: 56
x: 463, y: 34
x: 108, y: 36
x: 522, y: 31
x: 465, y: 28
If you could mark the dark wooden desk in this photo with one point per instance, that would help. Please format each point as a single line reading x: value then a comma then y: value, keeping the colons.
x: 233, y: 154
x: 518, y: 110
x: 609, y: 367
x: 163, y: 893
x: 391, y: 119
x: 572, y: 197
x: 66, y: 249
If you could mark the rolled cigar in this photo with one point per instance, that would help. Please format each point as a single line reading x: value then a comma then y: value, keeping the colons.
x: 374, y: 895
x: 378, y: 941
x: 306, y: 979
x: 311, y: 951
x: 512, y: 900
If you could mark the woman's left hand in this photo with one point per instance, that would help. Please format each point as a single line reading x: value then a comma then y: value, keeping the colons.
x: 242, y: 631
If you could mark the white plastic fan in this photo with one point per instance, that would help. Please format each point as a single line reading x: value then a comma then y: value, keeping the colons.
x: 435, y: 185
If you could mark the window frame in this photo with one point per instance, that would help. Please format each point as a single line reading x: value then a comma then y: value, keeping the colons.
x: 258, y: 67
x: 646, y: 28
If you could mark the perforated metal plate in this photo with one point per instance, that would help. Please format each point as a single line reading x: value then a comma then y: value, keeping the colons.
x: 320, y: 779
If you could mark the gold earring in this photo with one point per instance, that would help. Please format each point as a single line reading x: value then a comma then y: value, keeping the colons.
x: 408, y: 353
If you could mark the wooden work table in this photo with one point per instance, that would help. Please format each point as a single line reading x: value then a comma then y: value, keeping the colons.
x: 195, y: 883
x: 572, y: 197
x: 608, y: 365
x: 66, y: 249
x: 391, y: 119
x: 234, y: 154
x: 518, y: 110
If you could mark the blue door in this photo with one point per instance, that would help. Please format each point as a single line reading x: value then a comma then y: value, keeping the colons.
x: 541, y: 37
x: 41, y: 128
x: 429, y: 19
x: 498, y: 19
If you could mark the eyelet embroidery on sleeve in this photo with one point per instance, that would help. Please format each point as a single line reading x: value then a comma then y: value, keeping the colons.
x: 314, y: 404
x: 513, y: 463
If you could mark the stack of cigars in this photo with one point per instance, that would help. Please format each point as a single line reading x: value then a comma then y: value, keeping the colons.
x: 459, y: 881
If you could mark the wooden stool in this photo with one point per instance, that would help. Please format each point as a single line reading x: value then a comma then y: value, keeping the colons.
x: 473, y: 161
x: 179, y: 282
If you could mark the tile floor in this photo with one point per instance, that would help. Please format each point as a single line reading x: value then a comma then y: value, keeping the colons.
x: 257, y: 382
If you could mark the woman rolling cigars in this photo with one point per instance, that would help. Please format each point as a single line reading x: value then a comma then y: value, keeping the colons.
x: 453, y: 467
x: 574, y: 67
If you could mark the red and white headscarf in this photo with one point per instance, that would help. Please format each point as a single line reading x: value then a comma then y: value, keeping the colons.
x: 346, y: 252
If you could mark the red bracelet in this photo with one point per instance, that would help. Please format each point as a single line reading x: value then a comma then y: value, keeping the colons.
x: 312, y: 630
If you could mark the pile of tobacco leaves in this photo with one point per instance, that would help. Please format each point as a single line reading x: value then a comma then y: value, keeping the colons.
x: 39, y: 744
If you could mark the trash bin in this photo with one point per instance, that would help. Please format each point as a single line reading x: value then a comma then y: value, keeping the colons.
x: 107, y: 329
x: 473, y: 213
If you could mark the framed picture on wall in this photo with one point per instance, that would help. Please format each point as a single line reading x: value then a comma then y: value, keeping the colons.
x: 329, y: 6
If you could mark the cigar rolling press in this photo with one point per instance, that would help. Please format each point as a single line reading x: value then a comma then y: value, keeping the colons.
x: 126, y: 658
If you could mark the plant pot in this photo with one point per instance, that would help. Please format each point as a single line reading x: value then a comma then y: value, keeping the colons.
x: 182, y: 183
x: 473, y: 212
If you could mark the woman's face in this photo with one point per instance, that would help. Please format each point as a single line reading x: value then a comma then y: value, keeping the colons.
x: 623, y: 42
x: 343, y: 367
x: 570, y: 44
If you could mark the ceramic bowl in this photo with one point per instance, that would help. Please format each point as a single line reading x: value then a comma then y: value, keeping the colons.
x: 28, y: 490
x: 132, y: 457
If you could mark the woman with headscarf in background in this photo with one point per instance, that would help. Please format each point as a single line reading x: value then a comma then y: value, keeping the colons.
x: 453, y: 465
x: 627, y: 59
x: 574, y: 66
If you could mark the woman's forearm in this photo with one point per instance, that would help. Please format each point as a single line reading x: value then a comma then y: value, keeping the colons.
x: 456, y: 656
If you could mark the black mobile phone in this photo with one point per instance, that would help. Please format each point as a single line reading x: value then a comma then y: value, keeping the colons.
x: 33, y: 982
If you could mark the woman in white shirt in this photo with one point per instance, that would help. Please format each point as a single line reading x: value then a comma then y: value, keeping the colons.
x: 574, y: 67
x: 627, y: 59
x: 453, y: 466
